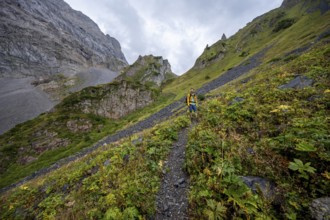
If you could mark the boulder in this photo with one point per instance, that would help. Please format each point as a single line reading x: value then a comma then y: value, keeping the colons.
x: 320, y: 208
x: 267, y: 187
x: 26, y: 160
x: 299, y: 82
x: 79, y: 125
x: 236, y: 100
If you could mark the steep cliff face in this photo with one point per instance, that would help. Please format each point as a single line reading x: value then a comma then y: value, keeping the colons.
x: 43, y: 37
x: 113, y: 100
x: 56, y: 49
x: 148, y: 69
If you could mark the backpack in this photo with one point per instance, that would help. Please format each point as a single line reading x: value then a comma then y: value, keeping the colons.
x: 187, y: 98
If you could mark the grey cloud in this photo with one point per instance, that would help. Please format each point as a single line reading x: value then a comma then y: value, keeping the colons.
x: 177, y: 30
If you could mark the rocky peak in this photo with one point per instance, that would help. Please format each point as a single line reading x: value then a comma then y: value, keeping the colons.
x: 224, y: 37
x: 149, y: 69
x: 289, y: 3
x: 44, y: 37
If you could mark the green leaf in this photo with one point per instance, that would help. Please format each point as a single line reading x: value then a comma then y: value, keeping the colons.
x: 311, y: 169
x: 306, y: 147
x: 293, y: 166
x: 298, y: 162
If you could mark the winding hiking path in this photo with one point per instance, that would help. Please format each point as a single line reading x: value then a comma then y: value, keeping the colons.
x: 172, y: 198
x: 149, y: 122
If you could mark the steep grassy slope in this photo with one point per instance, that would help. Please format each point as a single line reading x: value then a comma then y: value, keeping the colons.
x: 62, y: 132
x: 250, y: 127
x: 119, y: 181
x: 279, y: 135
x: 269, y: 30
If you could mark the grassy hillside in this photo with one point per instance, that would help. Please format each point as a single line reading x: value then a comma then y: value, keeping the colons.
x: 281, y: 135
x: 40, y: 142
x: 250, y: 127
x: 118, y: 181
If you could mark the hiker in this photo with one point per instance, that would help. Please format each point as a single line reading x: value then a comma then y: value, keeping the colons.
x: 192, y: 103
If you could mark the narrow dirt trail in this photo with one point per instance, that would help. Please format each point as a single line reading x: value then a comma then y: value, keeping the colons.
x: 172, y: 198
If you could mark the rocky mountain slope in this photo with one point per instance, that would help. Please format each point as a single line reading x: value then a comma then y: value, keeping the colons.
x: 149, y: 70
x: 54, y: 48
x: 83, y: 112
x: 41, y: 38
x: 259, y: 149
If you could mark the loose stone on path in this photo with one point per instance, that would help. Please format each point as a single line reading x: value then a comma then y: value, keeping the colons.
x: 172, y: 198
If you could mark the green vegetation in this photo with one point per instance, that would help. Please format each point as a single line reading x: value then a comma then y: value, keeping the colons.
x: 249, y: 127
x: 280, y: 135
x: 118, y: 181
x: 256, y: 36
x: 284, y: 24
x: 31, y: 138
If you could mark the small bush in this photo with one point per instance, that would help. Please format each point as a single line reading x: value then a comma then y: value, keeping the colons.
x: 244, y: 54
x: 201, y: 97
x: 284, y: 24
x: 274, y: 60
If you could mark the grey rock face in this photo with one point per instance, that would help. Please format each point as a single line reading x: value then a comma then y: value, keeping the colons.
x: 149, y: 69
x: 320, y: 208
x: 42, y: 37
x: 115, y: 101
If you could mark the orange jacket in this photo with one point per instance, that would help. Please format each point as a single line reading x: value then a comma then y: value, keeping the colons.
x: 189, y: 99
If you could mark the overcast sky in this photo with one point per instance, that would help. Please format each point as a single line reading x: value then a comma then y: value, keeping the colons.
x: 177, y: 30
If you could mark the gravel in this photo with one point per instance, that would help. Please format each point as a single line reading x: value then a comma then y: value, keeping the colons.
x: 20, y: 101
x: 172, y: 200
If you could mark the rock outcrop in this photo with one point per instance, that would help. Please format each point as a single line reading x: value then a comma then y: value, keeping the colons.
x: 152, y: 69
x: 113, y: 100
x: 212, y: 54
x: 43, y: 37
